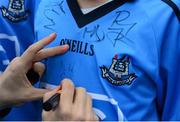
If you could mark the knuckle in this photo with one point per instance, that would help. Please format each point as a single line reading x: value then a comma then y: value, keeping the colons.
x: 31, y: 49
x: 15, y: 63
x: 67, y: 83
x: 16, y: 60
x: 65, y: 112
x: 78, y: 116
x: 88, y: 117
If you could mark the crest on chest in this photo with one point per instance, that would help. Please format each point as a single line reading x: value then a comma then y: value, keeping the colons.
x: 118, y: 73
x: 16, y: 11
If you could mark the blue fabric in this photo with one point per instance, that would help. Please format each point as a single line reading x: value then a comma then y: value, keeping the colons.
x: 15, y: 37
x: 146, y: 32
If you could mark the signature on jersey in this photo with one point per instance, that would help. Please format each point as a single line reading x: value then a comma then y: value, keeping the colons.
x: 54, y: 8
x: 118, y: 30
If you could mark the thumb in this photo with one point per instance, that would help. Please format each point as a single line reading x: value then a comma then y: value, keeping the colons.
x: 50, y: 94
x: 37, y: 94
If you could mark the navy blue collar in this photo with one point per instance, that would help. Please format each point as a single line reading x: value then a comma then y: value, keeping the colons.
x: 84, y: 19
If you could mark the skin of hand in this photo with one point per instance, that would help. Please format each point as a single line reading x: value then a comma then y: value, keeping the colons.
x: 15, y: 88
x: 74, y: 105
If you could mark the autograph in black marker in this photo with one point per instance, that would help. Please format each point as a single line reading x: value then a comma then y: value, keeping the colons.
x: 54, y: 8
x: 119, y: 29
x: 95, y: 33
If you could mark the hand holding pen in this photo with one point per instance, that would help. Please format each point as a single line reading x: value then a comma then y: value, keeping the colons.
x: 74, y: 104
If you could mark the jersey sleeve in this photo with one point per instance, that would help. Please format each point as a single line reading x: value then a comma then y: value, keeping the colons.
x: 167, y: 32
x: 164, y: 20
x: 170, y: 67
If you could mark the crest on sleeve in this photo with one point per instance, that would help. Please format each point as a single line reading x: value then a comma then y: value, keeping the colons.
x: 16, y: 11
x: 118, y: 73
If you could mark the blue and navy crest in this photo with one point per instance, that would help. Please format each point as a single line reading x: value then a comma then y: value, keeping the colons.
x: 16, y: 11
x: 118, y: 72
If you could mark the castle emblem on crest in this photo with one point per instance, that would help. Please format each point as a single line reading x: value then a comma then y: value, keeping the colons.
x: 118, y: 73
x: 16, y: 11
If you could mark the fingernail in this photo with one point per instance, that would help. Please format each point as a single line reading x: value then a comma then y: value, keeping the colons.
x: 65, y: 46
x: 52, y: 34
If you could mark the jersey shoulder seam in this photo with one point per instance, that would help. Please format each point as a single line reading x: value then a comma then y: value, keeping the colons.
x: 174, y: 7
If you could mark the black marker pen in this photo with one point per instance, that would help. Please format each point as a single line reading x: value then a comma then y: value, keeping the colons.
x: 52, y: 102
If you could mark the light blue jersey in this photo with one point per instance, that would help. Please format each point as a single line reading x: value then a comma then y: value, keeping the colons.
x: 126, y: 54
x: 16, y: 34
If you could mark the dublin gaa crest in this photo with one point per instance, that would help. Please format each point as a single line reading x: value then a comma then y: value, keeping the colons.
x: 118, y: 73
x: 15, y: 11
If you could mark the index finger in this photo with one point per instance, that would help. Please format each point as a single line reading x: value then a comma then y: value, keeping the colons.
x: 31, y: 52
